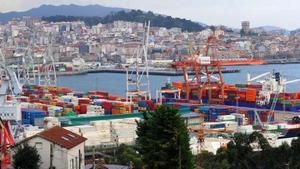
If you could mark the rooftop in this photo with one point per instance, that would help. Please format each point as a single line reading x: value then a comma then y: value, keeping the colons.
x: 62, y: 137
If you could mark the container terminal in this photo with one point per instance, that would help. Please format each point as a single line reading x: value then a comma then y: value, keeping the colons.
x: 33, y: 107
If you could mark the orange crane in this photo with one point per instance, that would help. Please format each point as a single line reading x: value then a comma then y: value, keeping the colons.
x: 6, y: 141
x: 207, y: 75
x: 207, y: 81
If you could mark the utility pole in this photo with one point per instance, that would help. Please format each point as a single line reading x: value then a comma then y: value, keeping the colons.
x: 94, y: 166
x: 51, y: 156
x: 80, y: 159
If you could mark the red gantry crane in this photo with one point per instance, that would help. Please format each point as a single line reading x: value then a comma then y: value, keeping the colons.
x: 6, y: 141
x: 207, y: 82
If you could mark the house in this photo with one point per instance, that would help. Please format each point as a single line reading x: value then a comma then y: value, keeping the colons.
x: 59, y: 148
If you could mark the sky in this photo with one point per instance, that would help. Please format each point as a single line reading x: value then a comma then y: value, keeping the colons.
x: 281, y: 13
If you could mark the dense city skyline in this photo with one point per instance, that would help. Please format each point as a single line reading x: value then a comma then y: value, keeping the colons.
x: 278, y: 13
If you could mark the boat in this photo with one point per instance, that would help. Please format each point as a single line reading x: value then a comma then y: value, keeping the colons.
x: 267, y: 93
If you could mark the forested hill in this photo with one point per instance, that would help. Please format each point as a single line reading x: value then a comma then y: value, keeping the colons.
x: 133, y: 16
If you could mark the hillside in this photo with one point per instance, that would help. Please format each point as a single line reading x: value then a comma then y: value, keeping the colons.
x: 133, y: 16
x: 66, y: 10
x: 294, y: 32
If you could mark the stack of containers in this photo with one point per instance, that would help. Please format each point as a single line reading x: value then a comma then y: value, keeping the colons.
x: 78, y: 94
x: 98, y: 95
x: 55, y: 111
x: 117, y: 108
x: 251, y: 95
x: 107, y: 106
x: 29, y: 115
x: 113, y: 97
x: 145, y: 105
x: 212, y: 113
x: 182, y: 107
x: 82, y: 104
x: 241, y: 119
x: 121, y: 107
x: 114, y: 107
x: 247, y: 113
x: 142, y: 105
x: 231, y: 94
x: 93, y: 110
x: 250, y: 114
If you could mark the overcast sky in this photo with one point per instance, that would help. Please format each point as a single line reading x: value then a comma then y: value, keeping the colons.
x: 282, y: 13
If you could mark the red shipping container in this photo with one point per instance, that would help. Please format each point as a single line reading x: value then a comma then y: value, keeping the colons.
x: 83, y: 109
x: 102, y: 93
x: 107, y: 105
x: 45, y: 107
x: 91, y: 92
x: 60, y: 104
x: 77, y: 108
x: 83, y: 101
x: 112, y: 97
x: 69, y: 69
x: 69, y: 105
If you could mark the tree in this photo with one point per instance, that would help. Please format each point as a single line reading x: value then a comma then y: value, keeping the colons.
x: 208, y: 160
x: 163, y: 140
x: 132, y: 16
x: 240, y: 153
x: 295, y: 154
x: 126, y: 154
x: 26, y: 157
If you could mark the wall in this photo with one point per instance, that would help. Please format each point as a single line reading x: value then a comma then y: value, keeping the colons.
x: 61, y: 156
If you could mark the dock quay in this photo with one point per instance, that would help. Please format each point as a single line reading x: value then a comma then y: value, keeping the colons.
x: 168, y: 72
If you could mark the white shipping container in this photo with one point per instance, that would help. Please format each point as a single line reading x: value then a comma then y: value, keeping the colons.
x: 11, y: 112
x: 25, y: 105
x: 226, y: 118
x: 204, y: 60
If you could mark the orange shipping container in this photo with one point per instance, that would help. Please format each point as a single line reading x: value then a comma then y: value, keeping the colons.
x: 178, y: 84
x: 119, y: 104
x: 115, y: 111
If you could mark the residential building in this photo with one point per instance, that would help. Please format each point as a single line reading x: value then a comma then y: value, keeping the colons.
x: 59, y: 148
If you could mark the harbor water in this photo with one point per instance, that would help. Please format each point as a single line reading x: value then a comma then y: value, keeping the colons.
x: 115, y: 83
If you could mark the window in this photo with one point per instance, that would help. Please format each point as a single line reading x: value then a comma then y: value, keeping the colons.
x: 65, y: 138
x: 72, y: 163
x: 38, y: 145
x: 71, y: 135
x: 80, y: 158
x: 76, y: 162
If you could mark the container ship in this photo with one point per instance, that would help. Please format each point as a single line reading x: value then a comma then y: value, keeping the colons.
x: 268, y: 93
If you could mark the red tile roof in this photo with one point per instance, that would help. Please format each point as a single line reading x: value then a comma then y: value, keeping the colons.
x: 62, y: 137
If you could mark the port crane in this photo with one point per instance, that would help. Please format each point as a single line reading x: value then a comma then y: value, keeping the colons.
x: 10, y: 112
x: 26, y: 69
x: 46, y: 66
x: 206, y: 67
x: 137, y: 72
x: 6, y: 141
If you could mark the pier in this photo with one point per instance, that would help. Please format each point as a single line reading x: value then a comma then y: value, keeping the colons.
x: 151, y: 72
